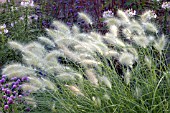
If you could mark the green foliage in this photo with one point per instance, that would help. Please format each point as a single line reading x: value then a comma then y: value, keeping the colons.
x: 20, y: 27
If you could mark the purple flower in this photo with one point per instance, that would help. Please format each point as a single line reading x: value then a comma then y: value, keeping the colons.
x: 14, y: 93
x: 14, y: 86
x: 20, y: 96
x: 28, y: 109
x: 7, y: 85
x: 24, y: 78
x: 18, y: 80
x: 4, y: 76
x: 10, y: 101
x: 6, y: 107
x: 14, y: 78
x: 8, y: 91
x: 4, y: 96
x: 16, y: 83
x: 2, y: 80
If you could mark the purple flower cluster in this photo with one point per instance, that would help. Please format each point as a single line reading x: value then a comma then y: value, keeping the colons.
x: 11, y: 91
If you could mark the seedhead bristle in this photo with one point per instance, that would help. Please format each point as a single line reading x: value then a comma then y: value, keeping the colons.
x: 85, y: 17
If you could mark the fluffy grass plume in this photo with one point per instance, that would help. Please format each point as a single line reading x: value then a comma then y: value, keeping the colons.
x: 105, y: 73
x: 85, y: 17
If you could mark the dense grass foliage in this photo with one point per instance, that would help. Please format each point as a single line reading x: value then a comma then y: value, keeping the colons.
x: 99, y: 61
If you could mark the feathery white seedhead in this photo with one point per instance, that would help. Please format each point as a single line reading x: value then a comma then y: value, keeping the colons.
x: 150, y: 27
x: 55, y: 34
x: 71, y: 55
x: 106, y: 81
x: 151, y: 38
x: 123, y: 16
x: 147, y: 15
x: 75, y: 90
x: 127, y: 59
x: 85, y: 17
x: 88, y: 62
x: 50, y: 85
x: 96, y: 36
x: 113, y: 40
x: 46, y: 41
x: 148, y: 62
x: 58, y: 69
x: 61, y: 27
x: 29, y: 87
x: 96, y: 48
x: 16, y: 67
x: 114, y: 30
x: 127, y: 77
x: 37, y: 62
x: 106, y: 96
x: 86, y: 56
x: 111, y: 53
x: 83, y: 48
x: 113, y: 21
x: 75, y: 30
x: 91, y: 76
x: 97, y: 101
x: 35, y: 81
x: 36, y: 48
x: 127, y: 32
x: 29, y: 54
x: 53, y: 55
x: 99, y: 47
x: 30, y: 101
x: 132, y: 50
x: 20, y: 73
x: 15, y: 45
x: 136, y: 26
x: 68, y: 76
x: 10, y: 67
x: 31, y: 59
x: 160, y: 44
x: 138, y: 92
x: 141, y: 41
x: 84, y: 37
x: 66, y: 42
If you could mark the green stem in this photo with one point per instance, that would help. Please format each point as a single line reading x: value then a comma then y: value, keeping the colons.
x: 3, y: 41
x: 165, y: 20
x: 26, y: 18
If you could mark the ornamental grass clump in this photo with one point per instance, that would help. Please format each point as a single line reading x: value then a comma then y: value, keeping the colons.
x: 73, y: 71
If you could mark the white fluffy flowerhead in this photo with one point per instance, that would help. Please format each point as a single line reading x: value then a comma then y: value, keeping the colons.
x: 85, y: 17
x: 127, y: 59
x: 160, y: 44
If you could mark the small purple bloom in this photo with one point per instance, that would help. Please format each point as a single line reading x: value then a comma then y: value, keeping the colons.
x: 14, y: 92
x: 18, y: 80
x: 4, y: 96
x: 8, y: 91
x: 4, y: 76
x: 7, y: 85
x: 20, y: 96
x: 28, y: 109
x: 6, y: 107
x: 14, y: 78
x: 10, y: 101
x: 2, y: 80
x: 16, y: 83
x: 14, y: 86
x: 24, y: 78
